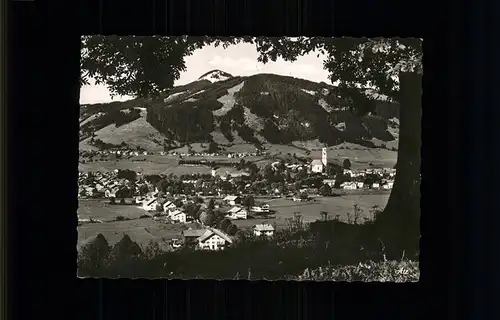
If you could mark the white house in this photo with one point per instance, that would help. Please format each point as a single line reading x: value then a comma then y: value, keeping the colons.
x: 139, y: 200
x: 168, y: 206
x: 375, y: 185
x: 213, y: 239
x: 349, y: 186
x: 150, y: 204
x: 360, y: 185
x: 238, y: 213
x: 264, y: 229
x: 178, y: 216
x: 111, y: 193
x: 316, y: 166
x: 348, y: 172
x: 319, y: 165
x: 329, y: 182
x: 388, y: 185
x: 231, y: 200
x: 171, y: 213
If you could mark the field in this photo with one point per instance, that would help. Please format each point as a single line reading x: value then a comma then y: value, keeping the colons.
x: 145, y: 167
x: 100, y: 209
x: 360, y: 157
x: 156, y: 164
x: 310, y: 211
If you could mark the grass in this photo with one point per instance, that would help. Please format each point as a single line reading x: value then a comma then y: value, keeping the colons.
x: 102, y: 210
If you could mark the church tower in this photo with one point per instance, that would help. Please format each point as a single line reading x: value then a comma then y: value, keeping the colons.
x: 324, y: 157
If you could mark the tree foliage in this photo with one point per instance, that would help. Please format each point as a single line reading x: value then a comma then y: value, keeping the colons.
x: 346, y: 164
x: 93, y: 255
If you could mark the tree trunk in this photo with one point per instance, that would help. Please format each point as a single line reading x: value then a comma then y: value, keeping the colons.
x: 399, y: 224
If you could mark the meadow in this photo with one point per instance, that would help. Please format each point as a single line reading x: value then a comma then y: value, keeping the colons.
x: 102, y: 210
x: 336, y: 207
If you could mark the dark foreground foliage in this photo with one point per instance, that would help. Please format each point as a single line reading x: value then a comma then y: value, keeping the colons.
x: 385, y: 271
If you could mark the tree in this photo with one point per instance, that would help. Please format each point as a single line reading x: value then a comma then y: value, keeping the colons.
x: 325, y: 190
x: 370, y: 179
x: 346, y: 164
x: 140, y: 65
x: 268, y: 172
x: 143, y: 189
x: 127, y: 174
x: 207, y: 218
x: 163, y: 185
x: 213, y: 147
x: 211, y: 204
x: 232, y: 229
x: 240, y: 236
x: 152, y: 250
x: 224, y: 224
x: 248, y: 201
x: 324, y: 215
x: 125, y: 251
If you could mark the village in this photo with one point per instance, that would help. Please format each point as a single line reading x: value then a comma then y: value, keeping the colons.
x: 211, y: 200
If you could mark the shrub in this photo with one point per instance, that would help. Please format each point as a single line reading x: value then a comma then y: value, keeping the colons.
x: 384, y: 271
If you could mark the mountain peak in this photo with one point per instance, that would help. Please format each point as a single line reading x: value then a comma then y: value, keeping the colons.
x: 215, y: 75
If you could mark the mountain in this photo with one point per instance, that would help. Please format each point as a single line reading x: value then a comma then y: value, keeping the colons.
x: 226, y: 109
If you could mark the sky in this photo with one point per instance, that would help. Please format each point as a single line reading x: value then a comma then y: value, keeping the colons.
x: 238, y: 60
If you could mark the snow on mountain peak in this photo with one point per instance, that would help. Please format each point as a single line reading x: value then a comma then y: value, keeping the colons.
x: 215, y: 75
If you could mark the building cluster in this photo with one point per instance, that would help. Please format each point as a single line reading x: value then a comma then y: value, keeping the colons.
x: 231, y: 206
x: 384, y: 179
x: 104, y: 185
x: 384, y: 176
x: 120, y: 152
x: 130, y: 152
x: 214, y: 239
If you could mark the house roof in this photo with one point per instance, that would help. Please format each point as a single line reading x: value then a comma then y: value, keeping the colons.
x: 264, y: 227
x: 151, y: 201
x: 211, y: 232
x: 234, y: 209
x: 316, y: 162
x: 230, y: 198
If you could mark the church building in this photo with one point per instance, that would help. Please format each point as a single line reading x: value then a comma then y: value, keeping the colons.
x: 319, y: 165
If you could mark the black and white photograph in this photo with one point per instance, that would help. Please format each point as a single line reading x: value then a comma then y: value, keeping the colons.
x: 250, y: 158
